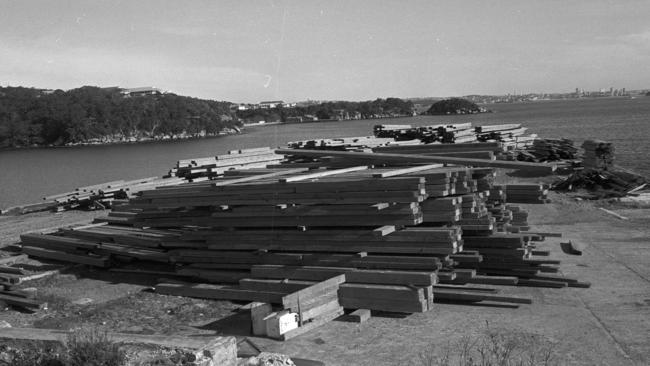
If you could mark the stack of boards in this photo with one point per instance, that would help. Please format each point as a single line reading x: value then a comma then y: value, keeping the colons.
x: 101, y: 196
x: 526, y: 193
x: 452, y: 133
x: 547, y: 150
x: 202, y: 169
x: 342, y: 143
x: 484, y: 150
x: 309, y: 243
x: 598, y: 154
x: 510, y: 135
x: 12, y: 275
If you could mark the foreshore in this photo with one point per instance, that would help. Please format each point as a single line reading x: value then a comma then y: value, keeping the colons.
x: 116, y: 142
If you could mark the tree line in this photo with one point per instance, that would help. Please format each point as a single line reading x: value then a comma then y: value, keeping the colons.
x: 389, y: 107
x: 37, y: 117
x: 34, y: 117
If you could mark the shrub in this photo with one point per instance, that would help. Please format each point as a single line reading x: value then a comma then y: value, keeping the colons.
x: 92, y: 347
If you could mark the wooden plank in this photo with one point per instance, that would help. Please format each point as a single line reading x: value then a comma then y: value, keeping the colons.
x: 457, y: 295
x: 208, y: 291
x: 415, y: 169
x: 359, y: 316
x: 353, y: 275
x: 320, y: 310
x: 66, y: 257
x: 372, y: 291
x: 315, y: 323
x: 22, y: 302
x: 388, y: 305
x: 405, y: 158
x: 307, y: 292
x: 13, y: 259
x: 252, y: 178
x: 322, y: 174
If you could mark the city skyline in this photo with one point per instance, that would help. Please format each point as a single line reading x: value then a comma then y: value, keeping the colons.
x: 289, y: 50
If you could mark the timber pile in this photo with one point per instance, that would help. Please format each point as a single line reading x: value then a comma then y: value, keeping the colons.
x: 202, y: 169
x: 13, y: 274
x: 542, y: 150
x: 507, y: 133
x: 525, y: 193
x: 510, y: 135
x: 308, y: 243
x: 29, y: 208
x: 486, y: 150
x: 453, y: 133
x: 104, y: 194
x: 598, y: 154
x: 602, y: 183
x: 343, y: 143
x: 97, y: 196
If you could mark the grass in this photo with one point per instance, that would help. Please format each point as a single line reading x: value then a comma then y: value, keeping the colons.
x: 83, y: 347
x: 93, y: 347
x: 492, y: 348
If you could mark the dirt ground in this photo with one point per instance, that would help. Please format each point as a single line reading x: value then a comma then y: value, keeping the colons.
x: 607, y: 324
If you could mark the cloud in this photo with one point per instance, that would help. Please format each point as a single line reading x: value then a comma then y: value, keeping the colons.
x: 50, y: 67
x: 640, y: 39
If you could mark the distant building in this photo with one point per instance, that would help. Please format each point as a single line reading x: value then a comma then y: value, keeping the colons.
x: 146, y: 90
x: 271, y: 104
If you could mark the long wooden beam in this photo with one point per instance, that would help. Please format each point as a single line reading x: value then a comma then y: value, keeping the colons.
x: 407, y: 158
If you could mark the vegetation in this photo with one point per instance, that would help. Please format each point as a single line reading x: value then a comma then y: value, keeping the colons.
x: 454, y: 106
x: 93, y: 347
x: 492, y: 348
x: 84, y: 347
x: 34, y: 117
x: 389, y: 107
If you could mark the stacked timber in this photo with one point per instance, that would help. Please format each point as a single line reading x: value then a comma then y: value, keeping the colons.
x: 452, y: 133
x: 343, y: 143
x: 598, y: 154
x: 525, y: 193
x: 505, y: 132
x: 396, y: 159
x: 396, y: 132
x: 96, y: 196
x: 29, y: 208
x: 11, y: 275
x: 283, y: 237
x: 598, y: 183
x: 102, y: 195
x: 201, y: 169
x: 512, y: 136
x: 542, y: 150
x: 484, y: 150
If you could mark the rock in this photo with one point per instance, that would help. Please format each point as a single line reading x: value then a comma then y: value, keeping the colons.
x: 83, y: 301
x: 4, y: 324
x: 269, y: 359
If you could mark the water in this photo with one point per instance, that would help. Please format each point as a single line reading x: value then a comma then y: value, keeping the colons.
x: 27, y: 175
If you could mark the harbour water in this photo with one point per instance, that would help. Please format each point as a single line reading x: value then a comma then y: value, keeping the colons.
x: 27, y: 175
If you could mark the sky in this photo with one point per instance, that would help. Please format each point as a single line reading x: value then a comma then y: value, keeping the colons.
x: 250, y: 51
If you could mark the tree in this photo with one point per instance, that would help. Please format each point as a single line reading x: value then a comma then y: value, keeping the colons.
x: 454, y: 106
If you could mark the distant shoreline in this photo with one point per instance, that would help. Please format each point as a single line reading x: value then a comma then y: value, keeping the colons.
x: 117, y: 143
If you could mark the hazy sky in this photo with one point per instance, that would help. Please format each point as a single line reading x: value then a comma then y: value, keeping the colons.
x: 247, y: 51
